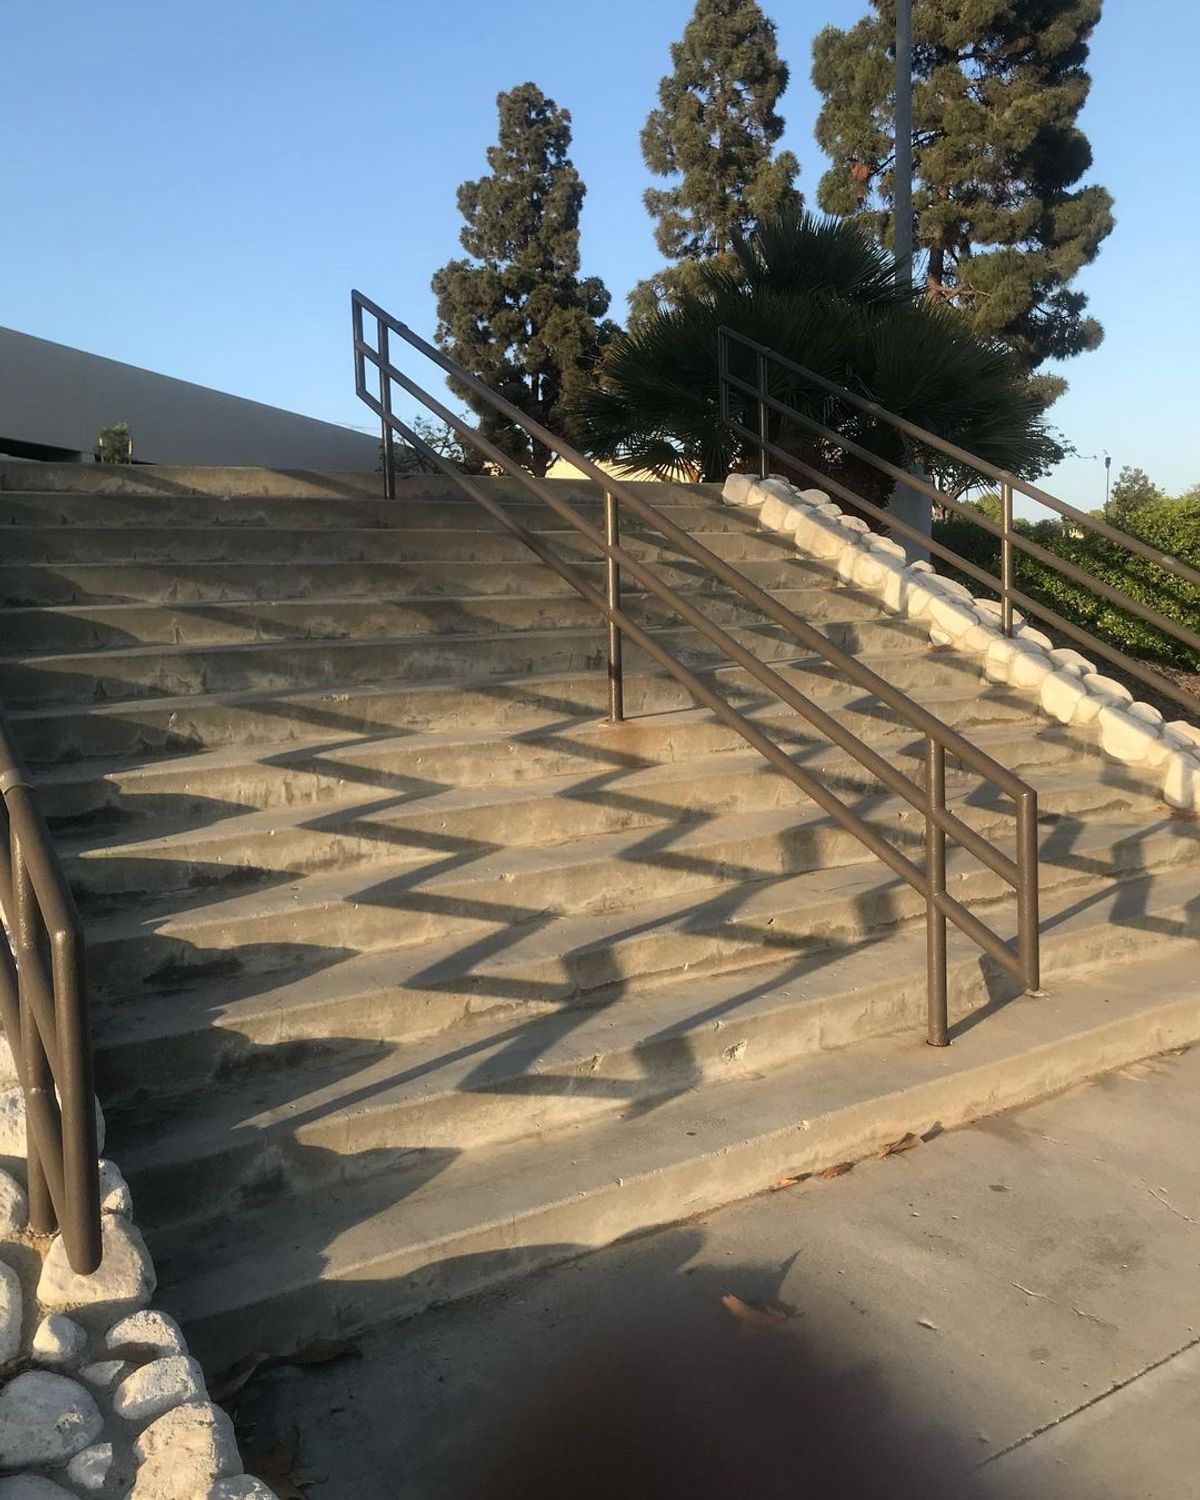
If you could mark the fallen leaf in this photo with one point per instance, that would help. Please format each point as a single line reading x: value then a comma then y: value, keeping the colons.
x: 785, y: 1182
x: 839, y: 1170
x: 906, y: 1143
x: 278, y: 1468
x: 754, y: 1315
x: 323, y: 1352
x: 925, y: 1323
x: 231, y: 1381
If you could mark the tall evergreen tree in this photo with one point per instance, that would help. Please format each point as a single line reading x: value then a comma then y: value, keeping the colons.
x: 1003, y: 226
x: 517, y: 313
x: 714, y: 130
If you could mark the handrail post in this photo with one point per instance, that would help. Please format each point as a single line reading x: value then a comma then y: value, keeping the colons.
x: 935, y: 869
x: 612, y: 594
x: 1028, y: 917
x: 385, y: 400
x: 723, y: 374
x: 1006, y: 558
x: 39, y: 1079
x: 764, y: 438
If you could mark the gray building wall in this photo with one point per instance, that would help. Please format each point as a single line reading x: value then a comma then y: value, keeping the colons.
x: 55, y: 397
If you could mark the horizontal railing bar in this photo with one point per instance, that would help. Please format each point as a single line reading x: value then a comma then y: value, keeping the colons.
x: 918, y: 717
x: 975, y: 843
x: 981, y: 466
x: 874, y: 841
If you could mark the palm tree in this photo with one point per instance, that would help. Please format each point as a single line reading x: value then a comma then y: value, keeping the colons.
x: 821, y: 292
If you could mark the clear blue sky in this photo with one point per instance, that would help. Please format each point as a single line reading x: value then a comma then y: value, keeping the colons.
x: 194, y: 185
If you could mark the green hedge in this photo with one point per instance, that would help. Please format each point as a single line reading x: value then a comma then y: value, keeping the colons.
x: 1171, y: 526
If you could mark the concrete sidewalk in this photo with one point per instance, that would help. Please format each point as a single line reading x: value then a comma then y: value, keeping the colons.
x: 1011, y: 1309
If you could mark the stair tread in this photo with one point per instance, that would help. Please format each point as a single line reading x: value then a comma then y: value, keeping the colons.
x: 487, y: 1054
x: 760, y: 1134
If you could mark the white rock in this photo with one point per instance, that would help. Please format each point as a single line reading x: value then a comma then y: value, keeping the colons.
x: 153, y: 1329
x: 777, y: 485
x: 1067, y: 660
x: 920, y: 566
x: 124, y: 1282
x: 868, y: 568
x: 1124, y: 737
x: 89, y: 1469
x: 57, y: 1340
x: 8, y: 1068
x: 814, y: 497
x: 1001, y: 654
x: 820, y: 535
x: 792, y: 516
x: 31, y: 1487
x: 774, y: 509
x: 158, y: 1386
x: 184, y: 1453
x: 919, y: 597
x: 953, y: 589
x: 995, y: 609
x: 243, y: 1487
x: 1029, y: 669
x: 953, y: 618
x: 1181, y: 780
x: 12, y: 1125
x: 938, y: 637
x: 1107, y: 687
x: 895, y: 586
x: 977, y: 639
x: 1028, y: 636
x: 1182, y: 730
x: 115, y: 1197
x: 737, y: 487
x: 45, y: 1419
x: 1062, y: 693
x: 856, y: 524
x: 1146, y: 712
x: 103, y: 1373
x: 14, y: 1207
x: 888, y: 547
x: 11, y: 1314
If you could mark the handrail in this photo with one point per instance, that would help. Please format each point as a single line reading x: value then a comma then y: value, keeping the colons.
x: 1011, y: 540
x: 940, y: 739
x: 44, y: 1008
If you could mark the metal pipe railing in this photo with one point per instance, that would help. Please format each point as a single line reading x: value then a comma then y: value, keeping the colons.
x: 1020, y: 873
x: 1011, y: 539
x: 44, y: 1009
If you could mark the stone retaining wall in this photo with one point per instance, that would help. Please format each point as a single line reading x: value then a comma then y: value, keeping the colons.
x: 1064, y: 684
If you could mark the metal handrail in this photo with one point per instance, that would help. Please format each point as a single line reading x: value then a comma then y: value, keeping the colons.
x: 1011, y: 540
x: 44, y: 1008
x: 940, y: 740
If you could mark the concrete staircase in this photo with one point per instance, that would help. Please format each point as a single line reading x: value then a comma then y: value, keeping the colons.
x: 411, y: 973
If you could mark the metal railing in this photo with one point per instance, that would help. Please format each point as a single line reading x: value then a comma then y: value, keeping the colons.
x: 929, y: 796
x: 1011, y: 539
x: 44, y: 1008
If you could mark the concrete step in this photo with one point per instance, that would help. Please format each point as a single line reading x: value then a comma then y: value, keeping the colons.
x: 50, y: 734
x: 167, y: 546
x: 31, y: 633
x: 159, y: 671
x: 338, y: 1116
x: 556, y: 922
x: 350, y: 830
x: 99, y: 584
x: 359, y: 1249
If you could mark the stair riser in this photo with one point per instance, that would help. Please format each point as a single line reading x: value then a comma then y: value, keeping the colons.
x: 510, y: 705
x: 347, y: 838
x: 276, y: 944
x: 164, y: 546
x: 402, y: 1281
x: 38, y: 632
x: 300, y: 665
x: 323, y: 1150
x: 197, y: 583
x: 320, y: 775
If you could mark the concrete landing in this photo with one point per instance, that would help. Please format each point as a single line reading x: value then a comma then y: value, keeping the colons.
x: 1011, y: 1309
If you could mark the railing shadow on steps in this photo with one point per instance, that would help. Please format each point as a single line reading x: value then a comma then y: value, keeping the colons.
x: 941, y: 825
x: 773, y: 413
x: 44, y: 1008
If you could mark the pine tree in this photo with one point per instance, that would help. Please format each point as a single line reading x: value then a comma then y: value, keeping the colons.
x: 714, y: 130
x: 1003, y: 226
x: 517, y: 314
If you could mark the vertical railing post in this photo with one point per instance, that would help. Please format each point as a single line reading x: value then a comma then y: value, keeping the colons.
x: 612, y: 595
x: 39, y: 1080
x: 935, y: 920
x: 385, y: 400
x: 1028, y: 916
x: 723, y: 375
x: 764, y: 466
x: 1006, y: 558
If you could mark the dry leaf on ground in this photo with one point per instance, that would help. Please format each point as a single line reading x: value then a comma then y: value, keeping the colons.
x: 754, y: 1315
x: 906, y: 1143
x: 231, y: 1381
x: 839, y: 1170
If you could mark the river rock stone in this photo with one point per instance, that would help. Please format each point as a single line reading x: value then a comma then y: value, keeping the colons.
x: 89, y: 1469
x: 737, y: 487
x: 1062, y: 693
x: 151, y: 1328
x: 45, y: 1419
x: 104, y: 1373
x: 242, y: 1487
x: 11, y: 1314
x: 1181, y: 781
x: 8, y: 1068
x: 14, y: 1207
x: 115, y: 1197
x: 1125, y: 737
x: 32, y: 1487
x: 184, y: 1453
x: 12, y: 1126
x: 57, y: 1340
x: 123, y: 1283
x: 158, y: 1386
